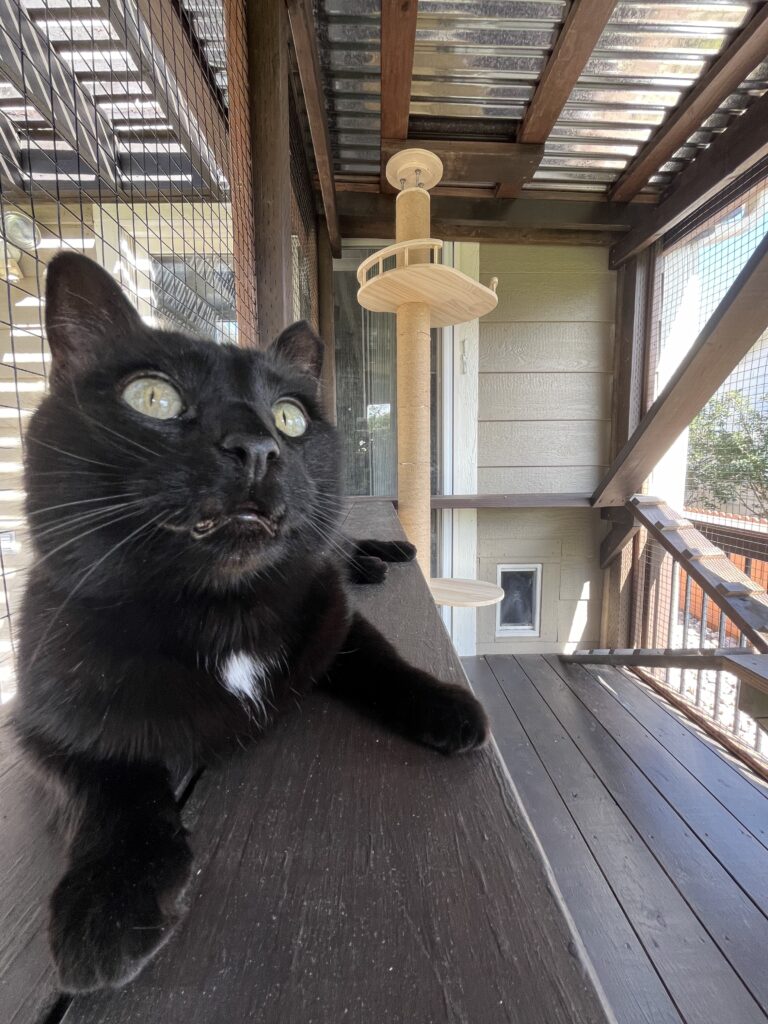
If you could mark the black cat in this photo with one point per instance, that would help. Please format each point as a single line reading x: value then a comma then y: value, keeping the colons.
x: 188, y: 582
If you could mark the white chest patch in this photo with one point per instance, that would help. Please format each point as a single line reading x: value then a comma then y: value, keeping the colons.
x: 246, y: 676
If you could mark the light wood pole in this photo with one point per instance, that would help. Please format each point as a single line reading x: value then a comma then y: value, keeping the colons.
x: 407, y: 279
x: 412, y: 214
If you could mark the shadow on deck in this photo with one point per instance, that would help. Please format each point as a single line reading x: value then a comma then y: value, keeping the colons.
x: 656, y: 839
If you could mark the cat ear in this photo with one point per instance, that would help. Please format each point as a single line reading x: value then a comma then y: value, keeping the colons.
x: 85, y: 310
x: 301, y: 347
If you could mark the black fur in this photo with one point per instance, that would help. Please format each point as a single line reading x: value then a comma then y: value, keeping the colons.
x: 149, y: 576
x: 367, y: 561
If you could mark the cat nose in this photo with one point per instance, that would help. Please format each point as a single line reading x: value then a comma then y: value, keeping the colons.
x: 253, y: 453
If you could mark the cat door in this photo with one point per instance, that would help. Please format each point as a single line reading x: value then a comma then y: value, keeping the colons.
x: 519, y: 612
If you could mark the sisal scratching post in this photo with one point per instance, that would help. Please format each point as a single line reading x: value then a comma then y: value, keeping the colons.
x: 423, y: 294
x: 412, y: 214
x: 413, y: 447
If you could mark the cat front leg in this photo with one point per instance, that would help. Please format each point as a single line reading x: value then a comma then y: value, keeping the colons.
x: 129, y: 865
x: 386, y: 550
x: 371, y: 675
x: 368, y: 559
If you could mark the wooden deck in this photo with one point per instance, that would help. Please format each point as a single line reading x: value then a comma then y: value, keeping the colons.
x: 343, y: 874
x: 656, y: 840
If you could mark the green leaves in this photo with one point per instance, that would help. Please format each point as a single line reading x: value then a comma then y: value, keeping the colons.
x: 728, y: 457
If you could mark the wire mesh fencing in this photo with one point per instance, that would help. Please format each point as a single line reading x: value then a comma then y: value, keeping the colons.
x: 113, y: 142
x: 719, y: 467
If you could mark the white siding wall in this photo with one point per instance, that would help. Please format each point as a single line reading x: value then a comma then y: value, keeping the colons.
x: 546, y: 356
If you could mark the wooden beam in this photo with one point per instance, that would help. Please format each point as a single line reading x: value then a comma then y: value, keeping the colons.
x: 373, y: 216
x: 304, y: 35
x: 371, y: 184
x: 654, y: 657
x: 750, y: 668
x: 398, y: 41
x: 576, y: 500
x: 724, y: 75
x: 623, y: 530
x: 731, y: 331
x: 268, y: 64
x: 326, y: 318
x: 351, y: 227
x: 241, y: 173
x: 629, y: 349
x: 577, y: 39
x: 476, y: 162
x: 730, y: 155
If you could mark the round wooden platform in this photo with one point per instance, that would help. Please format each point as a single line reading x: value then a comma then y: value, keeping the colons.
x: 453, y: 297
x: 465, y: 593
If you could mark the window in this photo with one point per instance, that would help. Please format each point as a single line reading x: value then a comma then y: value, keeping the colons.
x: 519, y: 613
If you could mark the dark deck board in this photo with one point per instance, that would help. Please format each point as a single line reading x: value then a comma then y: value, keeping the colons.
x: 718, y: 830
x: 710, y: 764
x: 736, y: 925
x: 345, y: 874
x: 702, y: 984
x: 29, y: 866
x: 625, y: 973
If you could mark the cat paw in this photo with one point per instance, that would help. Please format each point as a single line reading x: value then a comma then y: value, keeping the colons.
x: 368, y: 569
x: 454, y: 721
x: 107, y: 922
x: 399, y: 551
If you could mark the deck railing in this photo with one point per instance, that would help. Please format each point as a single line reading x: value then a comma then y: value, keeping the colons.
x: 675, y: 613
x: 699, y: 622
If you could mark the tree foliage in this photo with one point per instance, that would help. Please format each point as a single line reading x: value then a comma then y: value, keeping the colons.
x: 728, y: 456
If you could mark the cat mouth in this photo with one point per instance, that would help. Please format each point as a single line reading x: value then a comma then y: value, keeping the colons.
x: 247, y: 516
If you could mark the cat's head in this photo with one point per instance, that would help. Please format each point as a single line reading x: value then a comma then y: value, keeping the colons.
x: 162, y: 458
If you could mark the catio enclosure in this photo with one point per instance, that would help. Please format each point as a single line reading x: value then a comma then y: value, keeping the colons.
x: 598, y: 449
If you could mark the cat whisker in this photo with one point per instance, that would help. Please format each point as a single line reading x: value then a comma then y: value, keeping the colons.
x: 71, y: 455
x: 91, y: 569
x: 75, y: 520
x: 110, y: 430
x: 82, y: 501
x: 75, y: 540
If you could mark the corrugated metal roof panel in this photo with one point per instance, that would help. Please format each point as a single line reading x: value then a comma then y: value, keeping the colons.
x: 477, y: 63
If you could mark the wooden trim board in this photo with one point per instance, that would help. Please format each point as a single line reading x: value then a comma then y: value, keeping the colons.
x: 304, y: 35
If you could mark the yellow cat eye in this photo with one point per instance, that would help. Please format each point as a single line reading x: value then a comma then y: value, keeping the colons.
x: 290, y: 418
x: 153, y: 396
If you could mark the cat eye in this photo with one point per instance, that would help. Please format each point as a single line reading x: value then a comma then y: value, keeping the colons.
x: 153, y: 396
x: 290, y: 418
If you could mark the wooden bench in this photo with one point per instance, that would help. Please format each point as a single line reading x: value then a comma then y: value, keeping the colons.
x: 343, y: 874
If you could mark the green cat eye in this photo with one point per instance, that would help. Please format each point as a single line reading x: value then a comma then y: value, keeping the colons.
x: 153, y: 396
x: 290, y: 418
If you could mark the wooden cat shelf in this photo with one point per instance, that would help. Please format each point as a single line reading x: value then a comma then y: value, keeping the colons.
x: 408, y: 279
x: 453, y: 297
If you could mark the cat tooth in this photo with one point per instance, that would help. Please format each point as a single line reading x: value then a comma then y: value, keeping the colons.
x: 204, y: 526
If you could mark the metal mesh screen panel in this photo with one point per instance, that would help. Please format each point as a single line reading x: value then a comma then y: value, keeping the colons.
x: 723, y: 457
x: 113, y: 142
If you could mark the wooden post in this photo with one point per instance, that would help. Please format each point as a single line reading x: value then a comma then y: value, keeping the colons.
x: 326, y: 317
x: 269, y: 71
x: 240, y: 172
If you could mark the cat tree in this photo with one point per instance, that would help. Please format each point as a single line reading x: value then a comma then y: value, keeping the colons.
x: 408, y: 279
